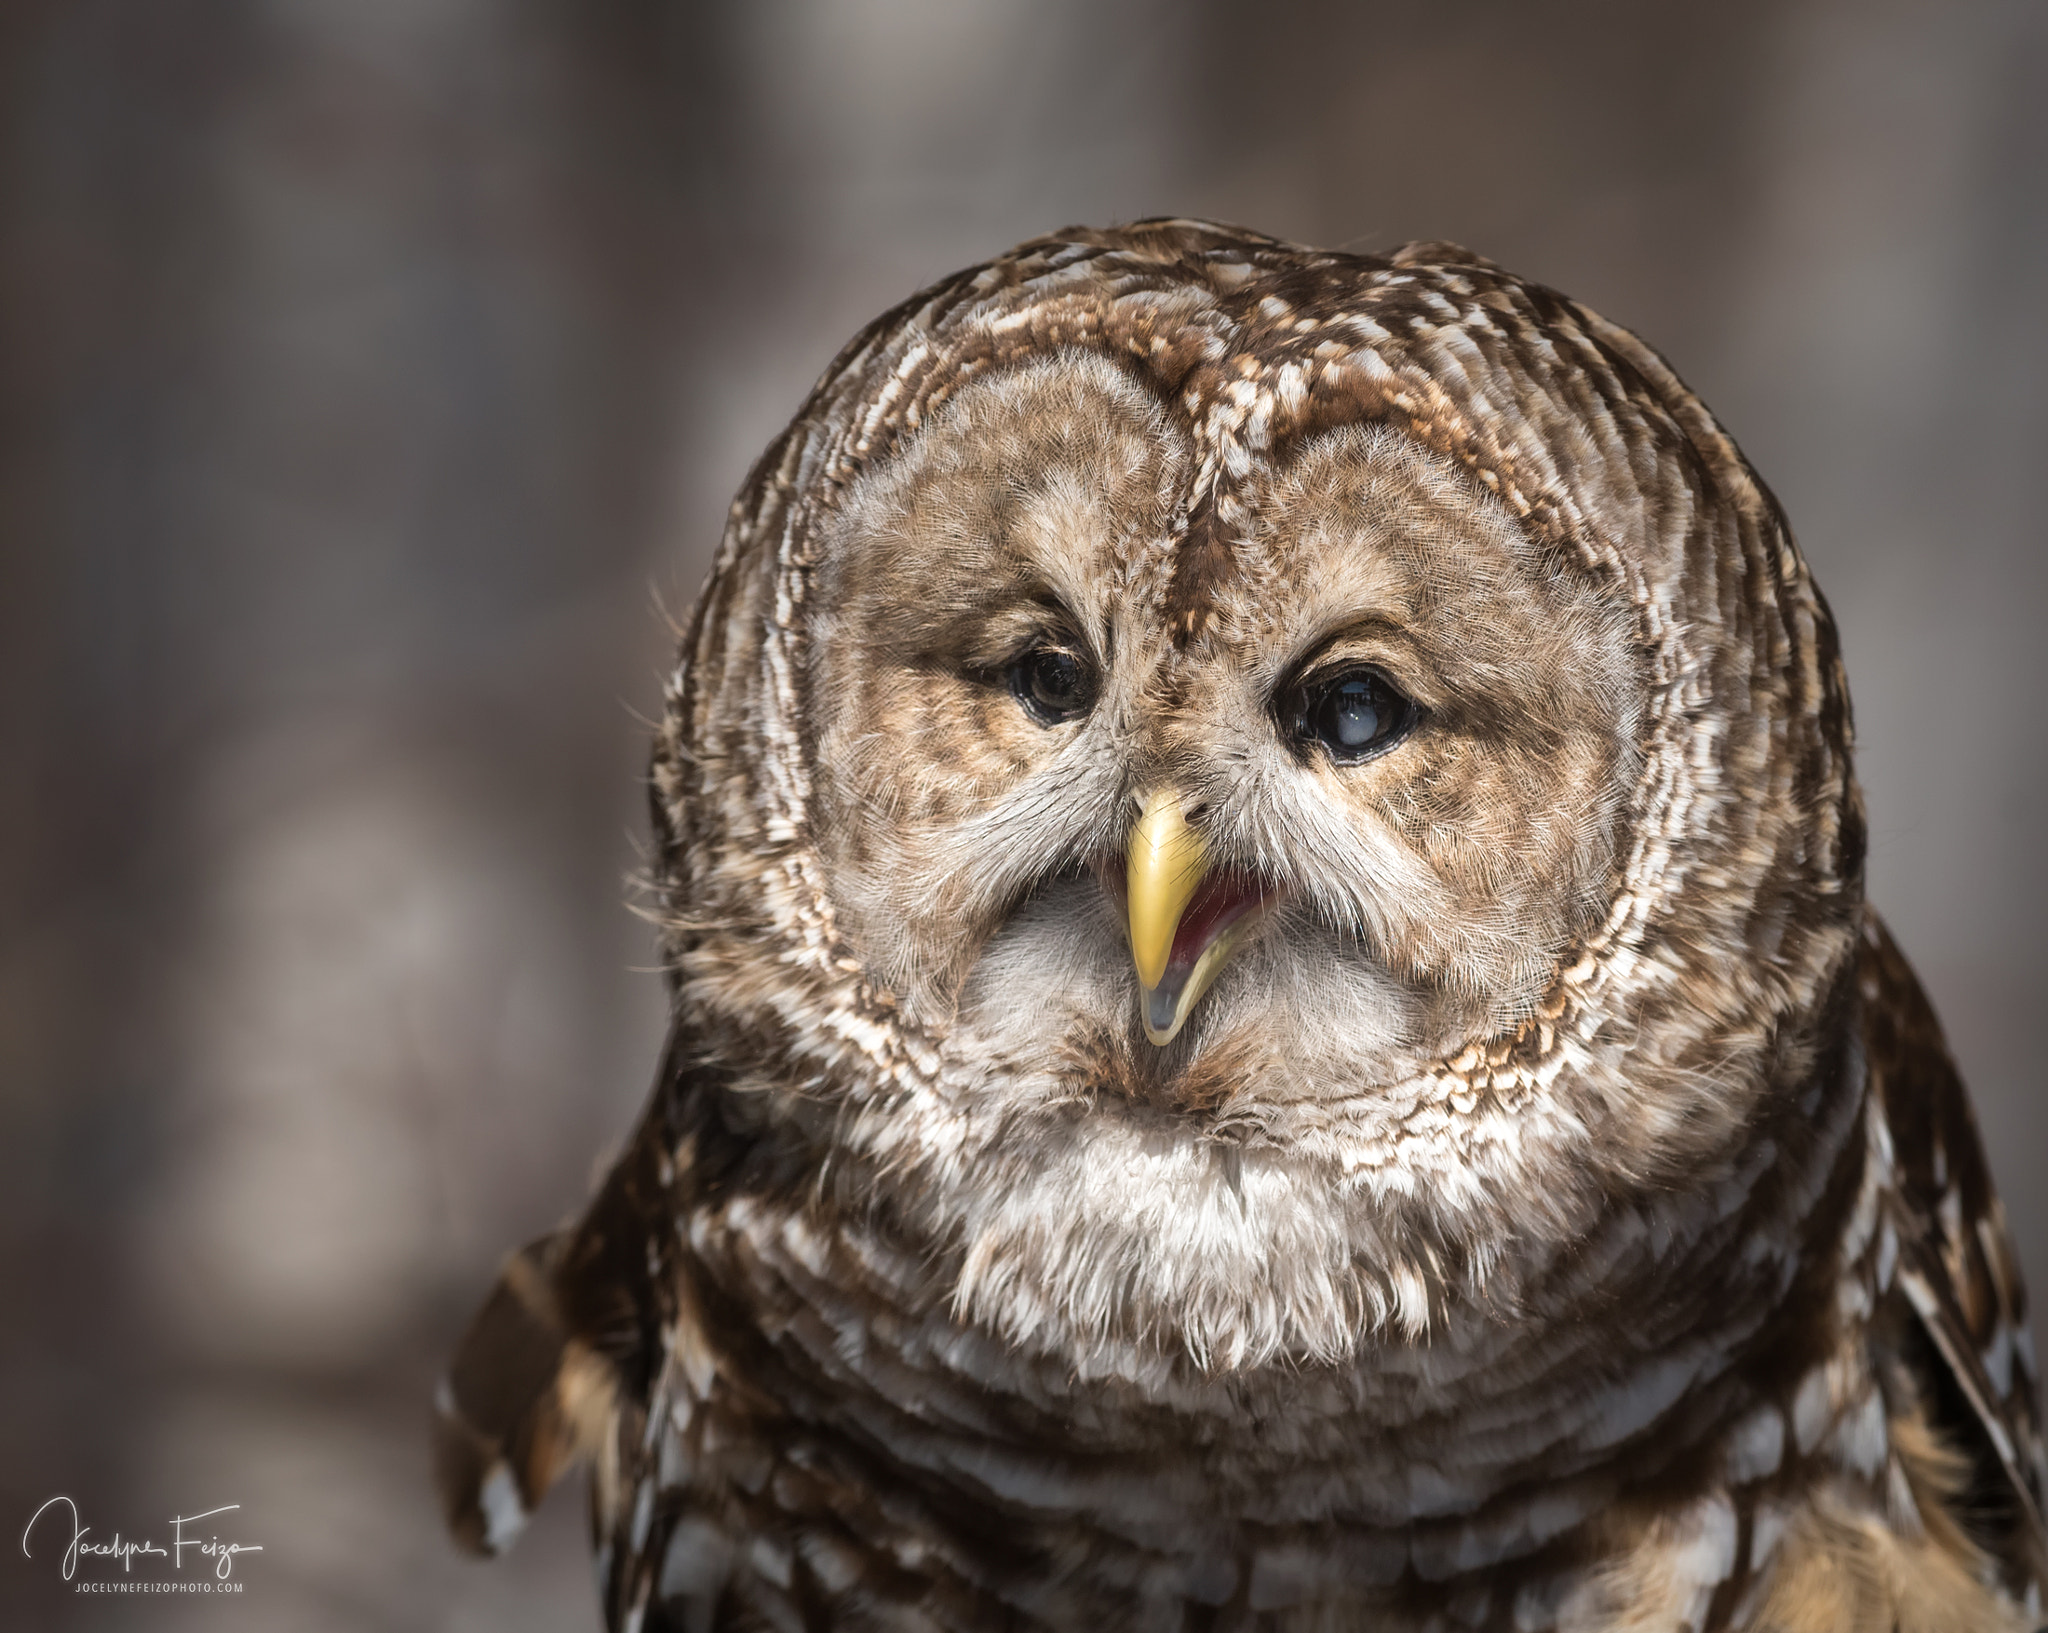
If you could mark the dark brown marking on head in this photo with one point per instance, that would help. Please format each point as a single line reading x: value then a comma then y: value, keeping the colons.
x: 1200, y: 566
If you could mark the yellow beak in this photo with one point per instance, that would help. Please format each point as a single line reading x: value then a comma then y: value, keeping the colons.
x: 1164, y: 867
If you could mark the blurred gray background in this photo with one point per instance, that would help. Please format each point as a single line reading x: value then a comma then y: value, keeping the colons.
x: 370, y: 370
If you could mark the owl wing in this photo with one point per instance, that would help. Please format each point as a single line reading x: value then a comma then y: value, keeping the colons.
x: 559, y: 1358
x: 1957, y: 1269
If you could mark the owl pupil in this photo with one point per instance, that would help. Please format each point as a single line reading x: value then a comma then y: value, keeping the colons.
x: 1357, y: 722
x: 1354, y: 714
x: 1053, y: 685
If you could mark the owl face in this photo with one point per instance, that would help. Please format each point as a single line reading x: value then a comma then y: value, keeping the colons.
x: 1246, y: 801
x: 1394, y: 760
x: 1368, y: 810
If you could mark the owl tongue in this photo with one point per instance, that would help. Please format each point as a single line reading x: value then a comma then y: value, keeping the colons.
x: 1202, y: 941
x: 1223, y: 899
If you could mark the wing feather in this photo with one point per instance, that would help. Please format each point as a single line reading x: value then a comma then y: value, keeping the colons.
x: 561, y: 1354
x: 1957, y: 1270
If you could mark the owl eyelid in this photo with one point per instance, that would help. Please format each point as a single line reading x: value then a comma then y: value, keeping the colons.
x: 1038, y: 620
x: 994, y: 666
x: 1369, y: 642
x: 1328, y: 667
x: 1323, y: 671
x: 1057, y: 639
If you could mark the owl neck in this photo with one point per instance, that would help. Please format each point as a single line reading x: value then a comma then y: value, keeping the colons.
x: 1490, y: 1447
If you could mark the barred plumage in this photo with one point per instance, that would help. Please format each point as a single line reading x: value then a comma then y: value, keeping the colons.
x: 1513, y: 1184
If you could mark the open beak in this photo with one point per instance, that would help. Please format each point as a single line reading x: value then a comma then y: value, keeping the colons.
x: 1185, y: 920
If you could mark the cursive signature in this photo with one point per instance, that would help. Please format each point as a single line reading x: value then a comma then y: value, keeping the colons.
x: 83, y: 1545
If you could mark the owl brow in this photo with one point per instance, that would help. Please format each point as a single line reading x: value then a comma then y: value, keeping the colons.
x: 1011, y: 632
x: 1374, y: 638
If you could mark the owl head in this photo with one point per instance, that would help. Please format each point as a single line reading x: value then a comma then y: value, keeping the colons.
x: 1241, y: 801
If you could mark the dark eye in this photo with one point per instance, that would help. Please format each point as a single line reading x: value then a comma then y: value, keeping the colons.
x: 1353, y: 714
x: 1053, y: 684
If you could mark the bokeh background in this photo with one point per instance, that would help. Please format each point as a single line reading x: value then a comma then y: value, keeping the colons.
x: 374, y: 372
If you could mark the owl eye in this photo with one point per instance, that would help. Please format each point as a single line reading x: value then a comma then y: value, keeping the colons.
x: 1353, y: 714
x: 1053, y: 684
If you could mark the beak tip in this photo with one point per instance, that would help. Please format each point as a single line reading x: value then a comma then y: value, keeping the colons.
x: 1163, y: 1015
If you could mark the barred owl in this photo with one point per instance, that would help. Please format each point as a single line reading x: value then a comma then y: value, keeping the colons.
x: 1274, y: 1023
